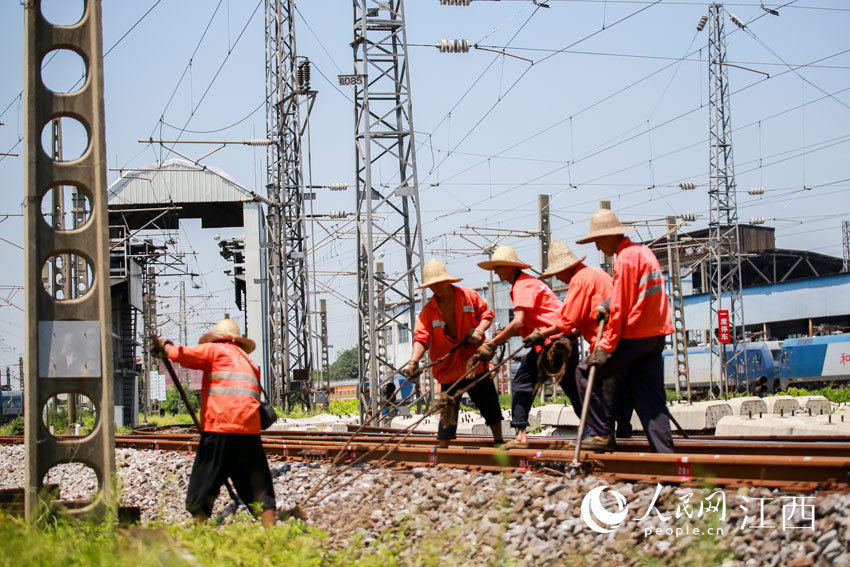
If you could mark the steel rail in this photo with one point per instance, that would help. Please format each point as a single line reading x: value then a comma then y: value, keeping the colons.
x: 774, y: 471
x: 708, y: 445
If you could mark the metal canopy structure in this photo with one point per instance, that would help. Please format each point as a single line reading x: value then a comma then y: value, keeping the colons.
x: 200, y: 191
x: 286, y: 263
x: 724, y: 263
x: 384, y: 142
x: 159, y: 195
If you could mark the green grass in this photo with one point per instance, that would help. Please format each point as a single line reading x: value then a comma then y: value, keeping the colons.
x: 836, y: 395
x: 241, y: 543
x: 168, y: 419
x: 60, y: 542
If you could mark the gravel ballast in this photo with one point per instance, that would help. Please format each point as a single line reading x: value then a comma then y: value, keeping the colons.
x: 529, y: 518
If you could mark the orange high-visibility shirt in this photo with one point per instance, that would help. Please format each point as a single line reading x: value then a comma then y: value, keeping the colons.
x: 230, y: 391
x: 639, y: 304
x: 470, y: 310
x: 539, y: 302
x: 588, y: 288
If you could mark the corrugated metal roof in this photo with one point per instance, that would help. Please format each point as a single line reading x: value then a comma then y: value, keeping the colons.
x: 176, y: 181
x: 826, y: 296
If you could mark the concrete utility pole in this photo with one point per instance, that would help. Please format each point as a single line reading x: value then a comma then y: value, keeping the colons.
x: 607, y: 261
x: 384, y: 141
x: 184, y: 329
x: 545, y: 236
x: 724, y: 263
x: 287, y: 84
x: 61, y: 280
x: 149, y: 324
x: 69, y: 343
x: 677, y: 309
x: 326, y: 366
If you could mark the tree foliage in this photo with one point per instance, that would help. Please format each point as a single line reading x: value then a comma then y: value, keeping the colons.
x: 345, y: 365
x: 174, y: 405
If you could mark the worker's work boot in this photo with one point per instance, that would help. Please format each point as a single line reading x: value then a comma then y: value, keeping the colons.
x: 598, y: 443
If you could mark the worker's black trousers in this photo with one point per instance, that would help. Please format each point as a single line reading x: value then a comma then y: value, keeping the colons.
x: 522, y: 387
x: 522, y: 390
x: 637, y: 370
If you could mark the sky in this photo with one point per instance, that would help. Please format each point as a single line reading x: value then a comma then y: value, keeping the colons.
x: 594, y: 100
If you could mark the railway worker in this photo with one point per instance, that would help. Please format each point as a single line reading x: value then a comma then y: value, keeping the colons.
x: 535, y: 306
x: 453, y: 323
x: 588, y: 287
x: 230, y: 441
x: 629, y: 354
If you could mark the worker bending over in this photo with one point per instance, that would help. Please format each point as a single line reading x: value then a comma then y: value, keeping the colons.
x: 588, y: 287
x: 535, y: 306
x: 629, y: 354
x: 453, y: 322
x: 230, y: 444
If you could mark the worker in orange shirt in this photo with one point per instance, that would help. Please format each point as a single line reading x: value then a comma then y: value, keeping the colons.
x: 535, y: 306
x: 629, y: 354
x: 588, y: 287
x: 455, y: 318
x: 230, y: 443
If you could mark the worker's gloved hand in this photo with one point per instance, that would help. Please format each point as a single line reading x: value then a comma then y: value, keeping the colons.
x: 486, y: 352
x: 474, y: 337
x: 160, y: 345
x: 535, y: 338
x: 603, y: 311
x: 410, y: 368
x: 599, y: 356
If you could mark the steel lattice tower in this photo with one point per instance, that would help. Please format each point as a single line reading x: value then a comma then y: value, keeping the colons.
x: 845, y: 244
x: 286, y: 261
x: 724, y: 267
x: 384, y: 142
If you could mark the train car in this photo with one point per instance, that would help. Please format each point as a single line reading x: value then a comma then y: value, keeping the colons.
x: 11, y: 405
x: 761, y: 367
x: 343, y: 390
x: 347, y: 389
x: 814, y: 360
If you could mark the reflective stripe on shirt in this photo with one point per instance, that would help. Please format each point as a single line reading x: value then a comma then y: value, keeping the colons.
x: 648, y: 277
x: 234, y: 377
x: 468, y: 309
x: 651, y: 290
x: 223, y: 391
x: 438, y: 323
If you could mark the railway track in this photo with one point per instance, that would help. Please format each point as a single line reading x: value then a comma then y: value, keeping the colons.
x: 796, y: 464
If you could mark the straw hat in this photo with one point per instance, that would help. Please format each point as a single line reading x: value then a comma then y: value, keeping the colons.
x: 503, y: 257
x: 435, y: 272
x: 604, y: 223
x: 228, y: 330
x: 560, y: 259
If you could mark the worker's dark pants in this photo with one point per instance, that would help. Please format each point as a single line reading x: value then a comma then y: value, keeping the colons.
x: 522, y: 390
x: 623, y: 409
x: 569, y: 383
x: 485, y: 397
x: 636, y: 367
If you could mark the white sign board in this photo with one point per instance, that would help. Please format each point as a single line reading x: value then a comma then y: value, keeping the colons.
x: 350, y: 80
x: 157, y: 386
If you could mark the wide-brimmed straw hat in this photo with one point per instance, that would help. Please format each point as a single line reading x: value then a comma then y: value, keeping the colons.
x: 560, y: 258
x: 604, y: 223
x: 228, y: 330
x: 435, y: 272
x: 503, y: 257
